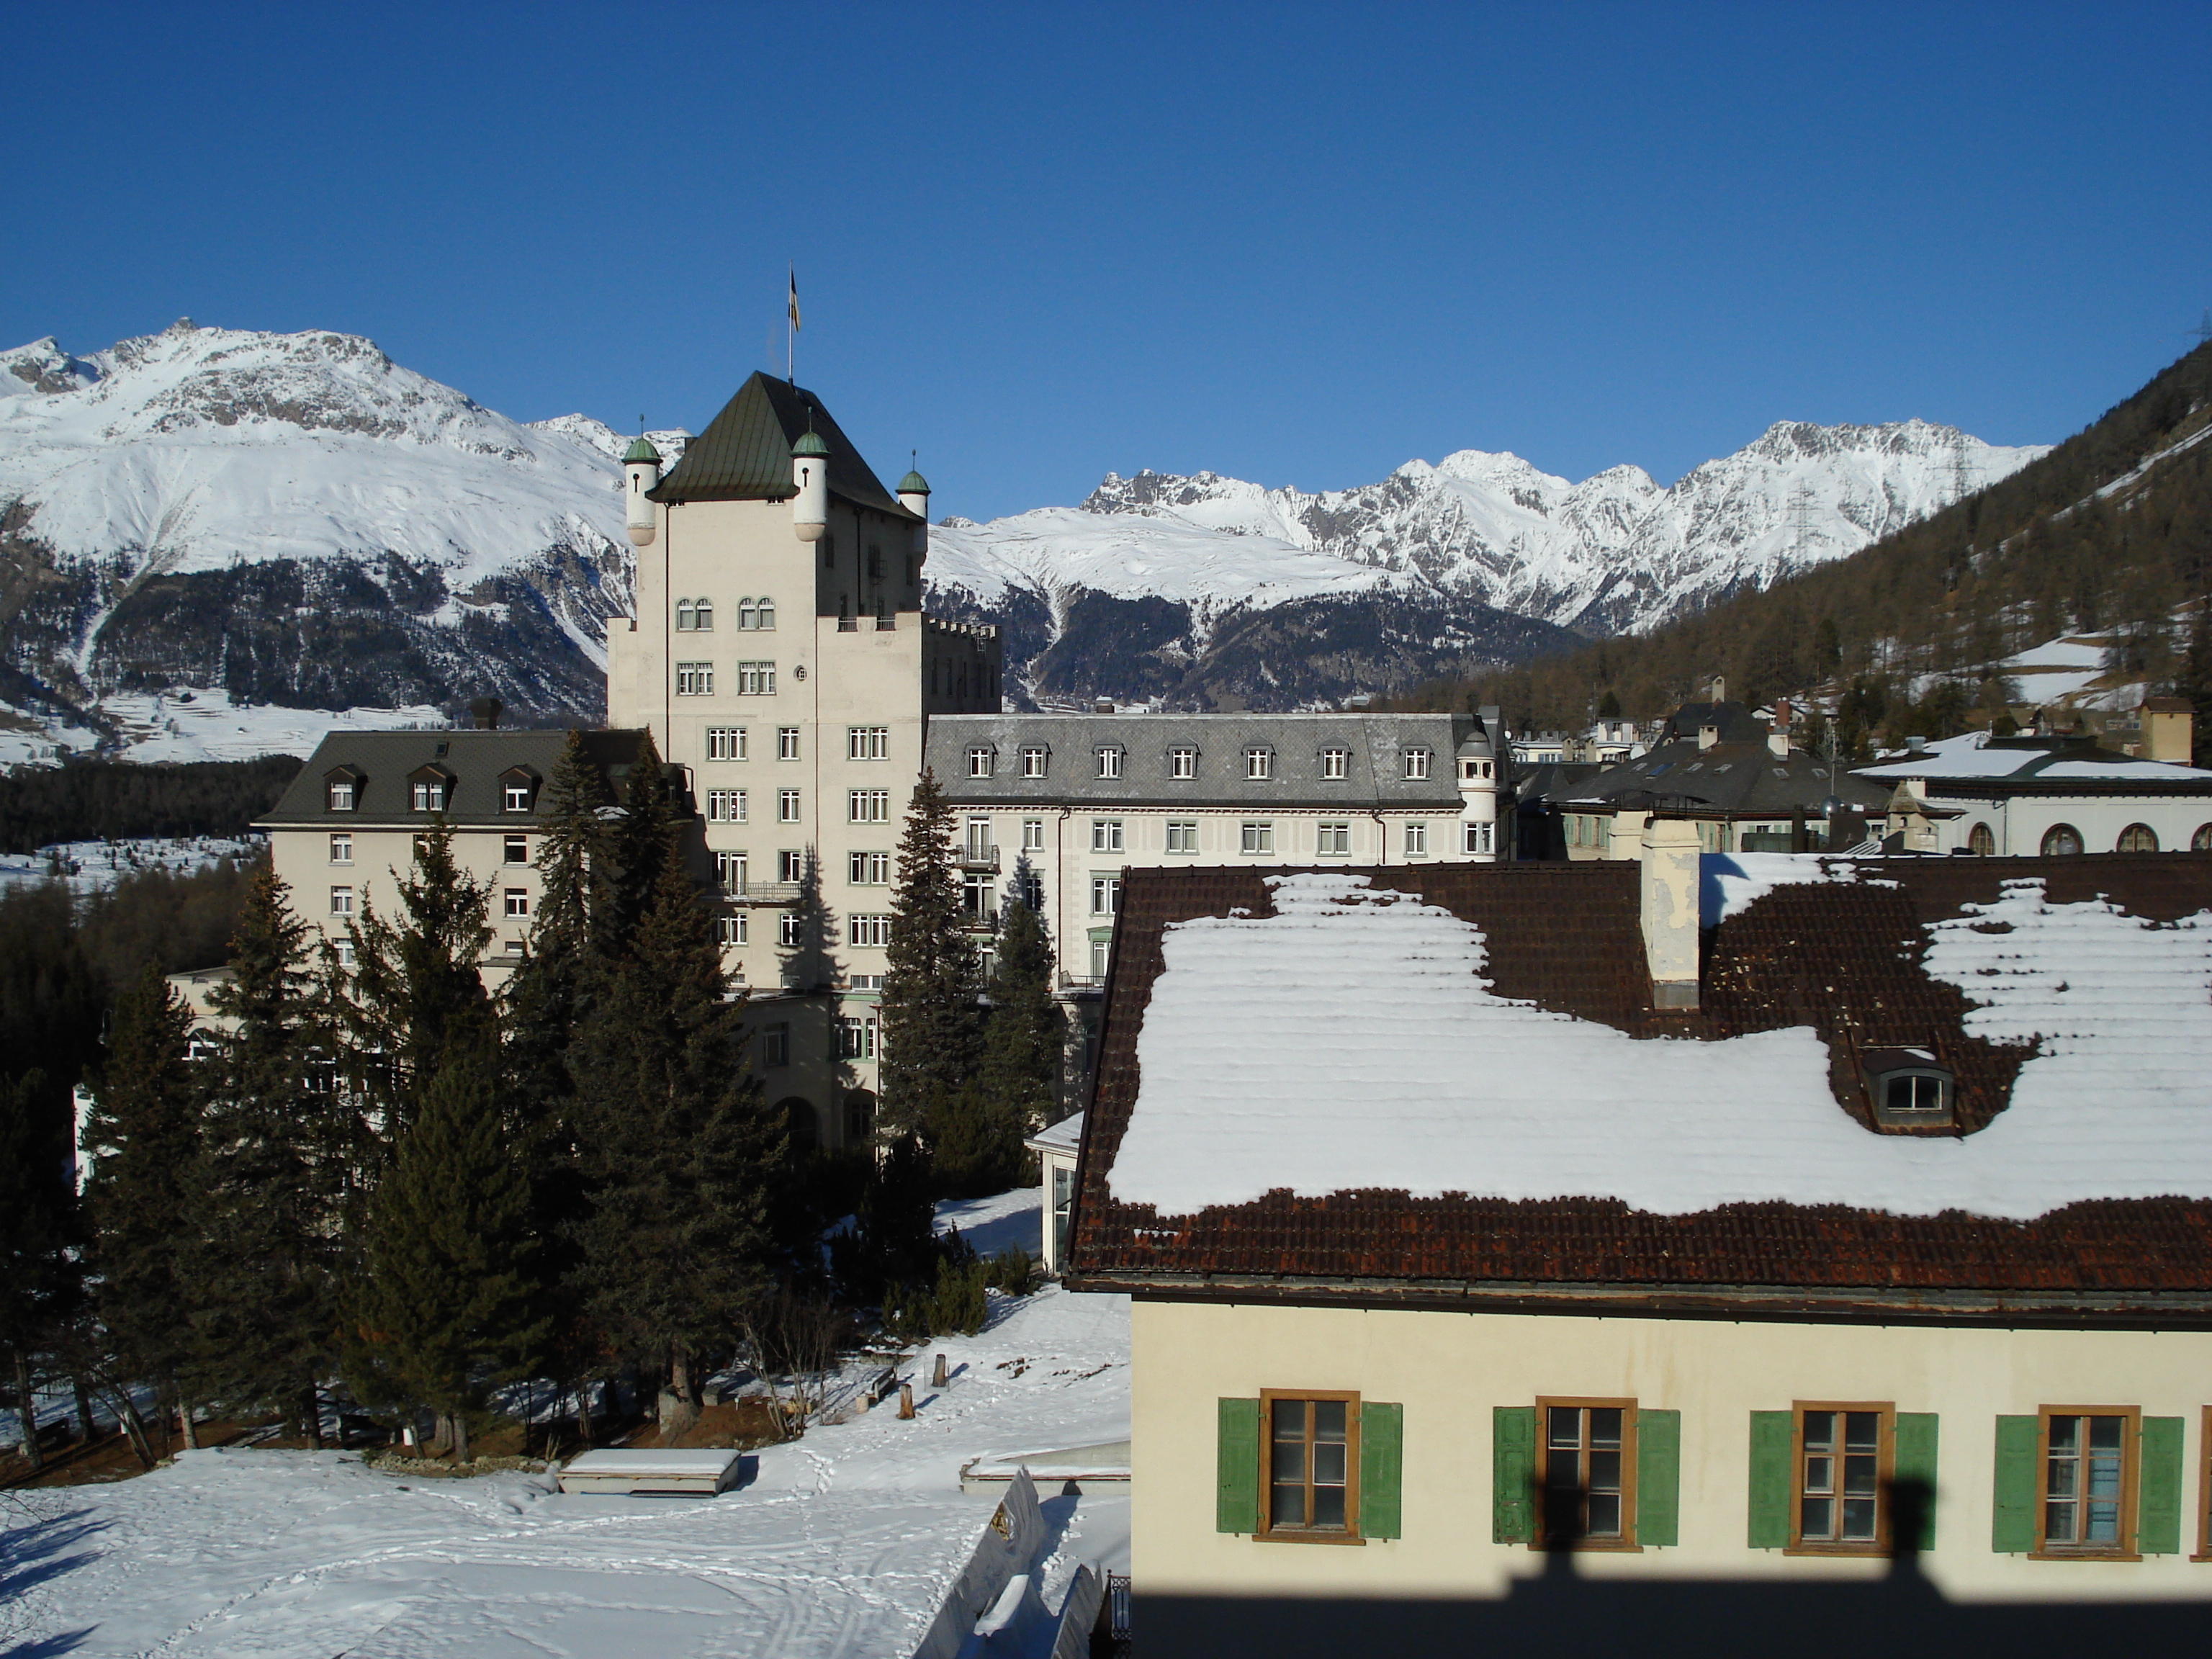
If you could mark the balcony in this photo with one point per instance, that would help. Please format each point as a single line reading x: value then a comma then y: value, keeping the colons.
x: 763, y: 892
x: 848, y: 624
x: 1082, y: 985
x: 887, y: 624
x: 975, y: 857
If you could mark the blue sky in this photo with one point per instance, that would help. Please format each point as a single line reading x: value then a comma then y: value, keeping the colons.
x: 1296, y: 244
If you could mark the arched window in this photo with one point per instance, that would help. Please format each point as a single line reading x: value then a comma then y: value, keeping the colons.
x: 702, y: 615
x: 860, y: 1118
x: 2201, y: 840
x: 747, y: 617
x: 767, y: 613
x: 683, y: 616
x: 2061, y: 840
x: 1980, y: 842
x: 798, y: 1119
x: 2137, y: 838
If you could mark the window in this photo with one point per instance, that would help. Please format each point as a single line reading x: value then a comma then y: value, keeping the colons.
x: 1105, y: 835
x: 341, y: 795
x: 1334, y: 762
x: 2089, y: 1478
x: 703, y: 615
x: 341, y: 900
x: 978, y: 848
x: 1332, y: 838
x: 1105, y: 896
x: 1259, y: 763
x: 856, y: 1037
x: 1182, y: 762
x: 1183, y: 834
x: 518, y: 901
x: 2201, y: 840
x: 755, y: 680
x: 765, y: 616
x: 695, y: 679
x: 1110, y: 763
x: 515, y: 947
x: 791, y: 865
x: 869, y: 869
x: 726, y: 743
x: 1033, y: 835
x: 1417, y: 764
x: 725, y: 806
x: 2137, y: 838
x: 978, y: 895
x: 1033, y: 762
x: 786, y: 806
x: 730, y: 928
x: 2061, y: 840
x: 1586, y: 1458
x: 775, y: 1044
x: 1101, y: 951
x: 873, y: 933
x: 730, y: 871
x: 787, y: 743
x: 692, y: 615
x: 1312, y: 1456
x: 1909, y: 1087
x: 1258, y: 837
x: 1842, y: 1471
x: 979, y: 762
x: 790, y: 930
x: 1477, y: 838
x: 1417, y: 841
x: 517, y: 850
x: 755, y: 614
x: 869, y: 806
x: 429, y: 795
x: 341, y: 849
x: 345, y: 950
x: 1980, y: 842
x: 867, y: 743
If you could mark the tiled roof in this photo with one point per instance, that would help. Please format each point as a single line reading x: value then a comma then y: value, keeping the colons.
x: 1740, y: 778
x: 1845, y: 960
x: 745, y: 453
x: 1374, y: 770
x: 385, y: 761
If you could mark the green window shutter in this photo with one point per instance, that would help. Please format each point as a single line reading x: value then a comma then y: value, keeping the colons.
x: 2158, y: 1488
x: 1512, y: 1473
x: 1915, y: 1459
x: 1237, y: 1468
x: 1382, y: 1455
x: 1658, y: 1477
x: 1772, y: 1432
x: 2012, y: 1523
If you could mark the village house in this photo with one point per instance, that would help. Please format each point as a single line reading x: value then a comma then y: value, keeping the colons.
x: 1684, y: 1254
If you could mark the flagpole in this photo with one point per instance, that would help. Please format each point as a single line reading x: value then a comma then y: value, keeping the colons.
x: 791, y: 331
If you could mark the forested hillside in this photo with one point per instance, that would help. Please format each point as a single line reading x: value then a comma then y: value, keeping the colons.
x: 2111, y: 532
x: 111, y: 800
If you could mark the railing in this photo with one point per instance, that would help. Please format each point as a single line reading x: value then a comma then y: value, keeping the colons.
x: 1080, y: 983
x: 848, y: 624
x: 886, y: 624
x: 764, y: 892
x: 1111, y: 1638
x: 973, y: 857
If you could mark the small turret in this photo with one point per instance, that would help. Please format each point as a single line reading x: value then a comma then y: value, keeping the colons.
x: 913, y: 493
x: 1478, y: 762
x: 810, y: 471
x: 642, y: 471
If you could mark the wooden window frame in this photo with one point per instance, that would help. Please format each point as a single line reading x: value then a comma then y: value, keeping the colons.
x: 1885, y: 1472
x: 1623, y: 1545
x: 2204, y: 1486
x: 1269, y: 1532
x: 2130, y: 1483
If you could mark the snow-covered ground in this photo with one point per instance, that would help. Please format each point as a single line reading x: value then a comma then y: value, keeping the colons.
x: 90, y: 867
x: 842, y: 1543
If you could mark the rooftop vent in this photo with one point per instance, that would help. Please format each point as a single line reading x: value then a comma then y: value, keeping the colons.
x: 484, y: 714
x: 1104, y: 706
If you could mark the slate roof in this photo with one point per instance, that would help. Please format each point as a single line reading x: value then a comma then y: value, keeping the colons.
x: 1374, y: 771
x: 1745, y: 780
x: 386, y: 761
x: 1996, y: 767
x: 745, y: 453
x: 1842, y: 959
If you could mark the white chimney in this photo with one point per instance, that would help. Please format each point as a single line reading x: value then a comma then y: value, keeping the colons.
x: 1670, y: 911
x: 1708, y: 735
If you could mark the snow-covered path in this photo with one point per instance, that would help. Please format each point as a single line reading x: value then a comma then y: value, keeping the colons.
x: 841, y: 1544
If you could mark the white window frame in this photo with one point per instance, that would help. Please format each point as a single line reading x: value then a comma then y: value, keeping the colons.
x: 787, y: 743
x: 342, y: 848
x: 1259, y: 763
x: 1109, y: 761
x: 791, y: 865
x: 1182, y: 835
x: 1033, y: 835
x: 342, y: 900
x: 1033, y: 762
x: 427, y: 794
x: 867, y: 743
x: 517, y: 902
x: 1417, y: 839
x: 1478, y: 839
x: 868, y: 869
x: 730, y: 871
x: 788, y: 806
x: 695, y: 679
x: 1256, y: 837
x: 730, y: 927
x: 790, y: 930
x: 726, y: 743
x: 1182, y: 761
x: 340, y: 795
x: 1106, y: 836
x: 515, y: 797
x: 868, y: 805
x: 1105, y: 896
x: 1334, y: 763
x: 1332, y: 838
x: 515, y: 844
x: 725, y: 806
x: 980, y: 759
x: 870, y: 932
x: 1417, y: 765
x: 755, y: 679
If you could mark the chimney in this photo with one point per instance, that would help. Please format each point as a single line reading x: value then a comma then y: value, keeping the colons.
x: 1102, y: 706
x: 485, y: 713
x: 1778, y: 735
x: 1670, y: 911
x: 1915, y: 745
x: 1708, y: 735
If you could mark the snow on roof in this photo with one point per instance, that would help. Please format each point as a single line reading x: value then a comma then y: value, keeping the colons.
x: 1064, y: 1136
x: 1956, y: 757
x: 1424, y: 1081
x: 1729, y: 883
x: 1974, y: 756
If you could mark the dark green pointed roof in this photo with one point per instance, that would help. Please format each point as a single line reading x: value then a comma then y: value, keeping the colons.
x: 744, y: 454
x: 642, y: 450
x: 810, y: 443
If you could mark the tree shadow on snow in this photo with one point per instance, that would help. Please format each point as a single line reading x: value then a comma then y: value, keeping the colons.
x: 50, y: 1647
x: 41, y: 1552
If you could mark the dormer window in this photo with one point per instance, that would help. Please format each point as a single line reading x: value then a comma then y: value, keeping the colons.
x: 1417, y: 764
x: 1334, y: 762
x: 1259, y: 763
x: 1109, y: 762
x: 979, y: 762
x: 1033, y: 762
x: 342, y: 789
x: 1911, y: 1089
x: 518, y: 789
x: 1182, y: 762
x: 429, y: 788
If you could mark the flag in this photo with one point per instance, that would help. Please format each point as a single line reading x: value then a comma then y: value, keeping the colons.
x: 795, y: 297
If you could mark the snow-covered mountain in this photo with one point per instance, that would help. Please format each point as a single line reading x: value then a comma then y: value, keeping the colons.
x: 1457, y: 543
x: 293, y: 519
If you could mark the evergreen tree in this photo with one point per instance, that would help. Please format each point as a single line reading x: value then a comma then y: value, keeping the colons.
x: 640, y: 840
x: 417, y: 986
x: 39, y: 1274
x: 1022, y: 1040
x: 678, y: 1144
x: 448, y: 1304
x: 2194, y: 680
x: 145, y: 1134
x: 269, y: 1185
x: 975, y: 1137
x: 931, y: 1022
